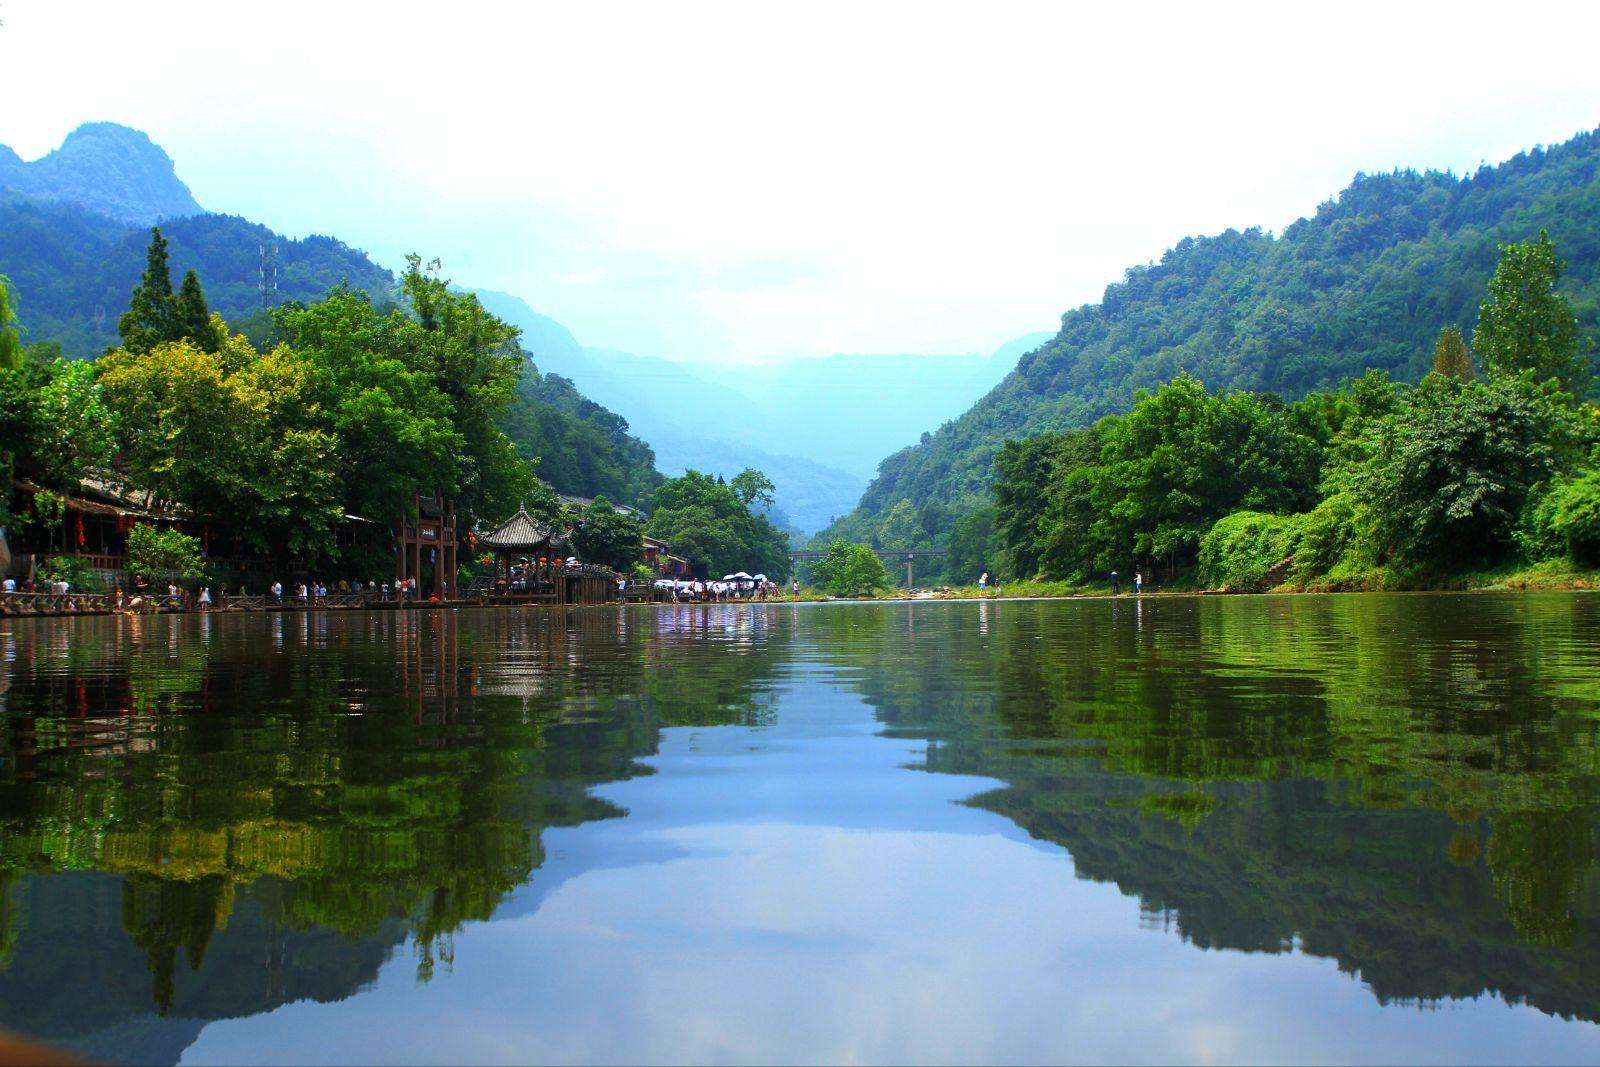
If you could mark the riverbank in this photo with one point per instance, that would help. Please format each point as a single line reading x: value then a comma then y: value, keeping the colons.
x: 1548, y: 575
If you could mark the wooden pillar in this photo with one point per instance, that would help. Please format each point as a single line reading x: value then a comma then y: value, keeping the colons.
x: 400, y: 553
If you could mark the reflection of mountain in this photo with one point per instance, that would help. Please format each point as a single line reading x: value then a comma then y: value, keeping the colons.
x: 206, y: 818
x: 1267, y: 773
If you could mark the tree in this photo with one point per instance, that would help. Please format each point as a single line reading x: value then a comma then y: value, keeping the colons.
x: 1450, y: 471
x: 901, y: 529
x: 706, y: 522
x: 180, y: 422
x: 850, y: 570
x: 605, y: 535
x: 10, y: 344
x: 754, y: 489
x: 152, y: 315
x: 193, y: 318
x: 72, y: 430
x: 974, y: 544
x: 1450, y: 355
x: 1524, y: 324
x: 155, y: 553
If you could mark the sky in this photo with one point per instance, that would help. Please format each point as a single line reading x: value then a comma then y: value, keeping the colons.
x: 744, y: 182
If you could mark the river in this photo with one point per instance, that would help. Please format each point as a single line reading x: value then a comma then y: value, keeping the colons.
x: 1267, y: 829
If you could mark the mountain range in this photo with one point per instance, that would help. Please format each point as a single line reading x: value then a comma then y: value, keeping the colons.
x: 1367, y: 281
x: 107, y: 168
x: 72, y: 241
x: 816, y: 427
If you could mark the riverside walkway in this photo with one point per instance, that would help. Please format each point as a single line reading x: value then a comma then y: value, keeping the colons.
x: 556, y: 586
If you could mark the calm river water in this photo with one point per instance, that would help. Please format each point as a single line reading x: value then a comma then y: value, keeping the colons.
x: 1263, y: 829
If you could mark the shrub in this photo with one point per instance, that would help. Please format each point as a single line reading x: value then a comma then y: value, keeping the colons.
x: 75, y: 571
x: 1249, y: 550
x: 154, y: 553
x: 1330, y: 533
x: 1566, y: 518
x: 850, y: 570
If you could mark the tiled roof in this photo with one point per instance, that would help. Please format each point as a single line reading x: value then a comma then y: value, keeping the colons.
x: 521, y: 531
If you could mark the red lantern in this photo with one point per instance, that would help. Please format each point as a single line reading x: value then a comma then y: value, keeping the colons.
x: 82, y: 540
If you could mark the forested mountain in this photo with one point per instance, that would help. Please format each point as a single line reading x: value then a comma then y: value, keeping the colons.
x: 856, y: 409
x: 816, y: 427
x: 582, y: 448
x: 72, y: 268
x: 692, y: 423
x: 1367, y: 282
x: 107, y: 168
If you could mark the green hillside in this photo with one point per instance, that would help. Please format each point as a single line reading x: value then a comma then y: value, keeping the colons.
x: 583, y: 449
x: 1366, y: 282
x: 72, y: 270
x: 107, y: 168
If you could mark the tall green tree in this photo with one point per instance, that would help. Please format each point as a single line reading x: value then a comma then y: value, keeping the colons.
x: 193, y: 317
x: 10, y: 343
x: 605, y: 535
x: 1450, y: 355
x: 152, y: 315
x: 1524, y: 324
x: 754, y: 489
x: 708, y: 524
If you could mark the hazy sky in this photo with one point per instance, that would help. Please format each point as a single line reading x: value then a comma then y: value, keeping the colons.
x: 752, y: 181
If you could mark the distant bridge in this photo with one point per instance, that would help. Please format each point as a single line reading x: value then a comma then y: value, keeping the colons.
x: 885, y: 554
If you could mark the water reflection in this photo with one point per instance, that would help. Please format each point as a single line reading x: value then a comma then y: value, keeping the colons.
x: 1404, y: 784
x: 314, y: 791
x: 215, y: 818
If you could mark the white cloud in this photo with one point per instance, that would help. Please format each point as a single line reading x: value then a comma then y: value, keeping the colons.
x: 739, y: 181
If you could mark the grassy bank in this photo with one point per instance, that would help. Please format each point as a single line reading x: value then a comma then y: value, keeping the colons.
x: 1547, y: 575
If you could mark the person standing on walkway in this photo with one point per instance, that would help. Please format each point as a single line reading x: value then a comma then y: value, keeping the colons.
x: 1116, y: 586
x: 1138, y: 582
x: 205, y: 597
x: 983, y: 582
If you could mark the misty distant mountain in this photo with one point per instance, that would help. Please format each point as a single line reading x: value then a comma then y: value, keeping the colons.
x: 816, y: 427
x: 850, y: 411
x: 691, y: 422
x: 107, y: 168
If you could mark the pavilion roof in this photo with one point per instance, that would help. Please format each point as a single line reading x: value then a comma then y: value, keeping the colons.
x: 521, y: 531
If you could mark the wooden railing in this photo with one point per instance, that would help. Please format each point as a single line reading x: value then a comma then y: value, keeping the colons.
x: 54, y: 603
x: 542, y: 585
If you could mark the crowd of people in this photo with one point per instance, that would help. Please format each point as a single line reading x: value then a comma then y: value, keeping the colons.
x: 690, y: 591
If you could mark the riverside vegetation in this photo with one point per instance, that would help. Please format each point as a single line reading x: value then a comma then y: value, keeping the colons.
x: 347, y: 408
x: 1366, y: 282
x: 1374, y: 484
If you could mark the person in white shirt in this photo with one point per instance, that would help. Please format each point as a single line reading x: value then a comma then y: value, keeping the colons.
x: 8, y: 586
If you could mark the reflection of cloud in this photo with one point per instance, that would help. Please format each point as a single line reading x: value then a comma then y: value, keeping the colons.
x: 797, y: 893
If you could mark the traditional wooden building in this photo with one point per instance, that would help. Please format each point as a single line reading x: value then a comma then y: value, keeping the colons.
x: 659, y: 558
x: 429, y: 540
x: 531, y: 564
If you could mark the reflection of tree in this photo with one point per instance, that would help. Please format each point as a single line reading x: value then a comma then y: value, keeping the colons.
x: 166, y: 917
x: 308, y: 790
x: 1539, y: 860
x: 10, y: 915
x: 1405, y: 784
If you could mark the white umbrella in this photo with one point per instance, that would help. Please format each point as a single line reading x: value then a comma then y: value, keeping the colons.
x: 740, y: 577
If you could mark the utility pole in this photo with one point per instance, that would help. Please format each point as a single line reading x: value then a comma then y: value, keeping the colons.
x: 909, y: 556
